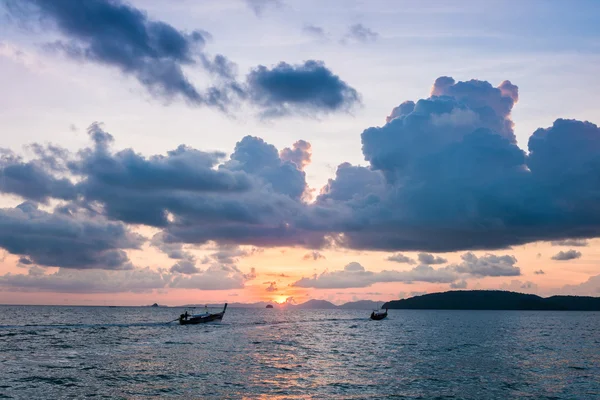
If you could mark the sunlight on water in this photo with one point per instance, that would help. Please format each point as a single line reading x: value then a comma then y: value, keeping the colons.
x: 57, y: 352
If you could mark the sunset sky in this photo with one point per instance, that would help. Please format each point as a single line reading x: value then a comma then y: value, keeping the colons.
x: 262, y: 150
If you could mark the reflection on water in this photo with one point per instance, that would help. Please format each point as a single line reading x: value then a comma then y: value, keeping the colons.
x: 129, y: 352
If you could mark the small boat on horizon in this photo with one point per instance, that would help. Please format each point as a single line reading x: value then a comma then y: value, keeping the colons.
x: 378, y: 315
x: 193, y: 319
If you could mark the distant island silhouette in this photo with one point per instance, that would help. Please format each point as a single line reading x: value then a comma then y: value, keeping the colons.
x: 309, y: 305
x: 494, y: 300
x: 451, y: 300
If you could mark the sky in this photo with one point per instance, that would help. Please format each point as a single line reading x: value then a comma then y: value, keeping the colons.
x: 279, y: 150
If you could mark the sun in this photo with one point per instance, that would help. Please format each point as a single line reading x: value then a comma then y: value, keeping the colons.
x: 280, y: 299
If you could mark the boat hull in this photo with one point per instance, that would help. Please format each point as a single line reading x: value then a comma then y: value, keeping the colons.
x: 201, y: 320
x: 378, y: 317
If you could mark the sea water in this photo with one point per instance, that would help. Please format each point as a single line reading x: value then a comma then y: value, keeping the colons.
x: 49, y: 352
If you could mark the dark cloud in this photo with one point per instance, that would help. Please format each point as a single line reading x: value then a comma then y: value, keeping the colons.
x: 430, y: 259
x: 187, y: 267
x: 352, y: 185
x: 402, y: 110
x: 113, y: 33
x: 116, y: 34
x: 570, y: 243
x: 33, y: 179
x: 313, y: 255
x: 284, y: 174
x: 446, y: 175
x: 566, y: 255
x: 309, y: 88
x: 401, y: 258
x: 360, y: 33
x: 136, y: 189
x: 69, y: 240
x: 24, y: 261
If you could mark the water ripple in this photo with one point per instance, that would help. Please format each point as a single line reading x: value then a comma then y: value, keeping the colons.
x: 130, y: 352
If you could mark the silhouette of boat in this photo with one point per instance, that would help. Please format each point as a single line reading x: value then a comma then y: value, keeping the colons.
x: 193, y: 319
x: 379, y: 315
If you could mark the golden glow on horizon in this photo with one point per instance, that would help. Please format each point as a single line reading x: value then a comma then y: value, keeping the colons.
x: 280, y: 299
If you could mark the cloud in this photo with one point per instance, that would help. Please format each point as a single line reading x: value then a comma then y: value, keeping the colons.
x: 299, y: 154
x: 34, y: 180
x: 591, y: 287
x: 570, y: 243
x: 69, y: 239
x: 193, y: 196
x: 215, y: 277
x: 230, y: 254
x: 462, y: 284
x: 487, y: 265
x: 430, y: 259
x: 137, y: 280
x: 315, y: 31
x: 360, y: 33
x: 24, y: 261
x: 259, y: 6
x: 566, y: 255
x: 520, y: 286
x: 401, y: 258
x: 444, y: 174
x: 185, y: 267
x: 402, y: 110
x: 309, y: 88
x: 116, y: 34
x: 272, y: 287
x: 314, y: 255
x: 66, y: 280
x: 354, y: 275
x: 172, y: 250
x: 539, y: 272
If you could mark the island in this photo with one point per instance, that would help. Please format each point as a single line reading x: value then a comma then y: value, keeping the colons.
x: 494, y: 300
x: 269, y: 306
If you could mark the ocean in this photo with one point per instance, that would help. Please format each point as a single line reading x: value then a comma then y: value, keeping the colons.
x: 56, y: 352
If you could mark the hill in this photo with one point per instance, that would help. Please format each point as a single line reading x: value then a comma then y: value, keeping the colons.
x: 494, y: 300
x: 314, y: 305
